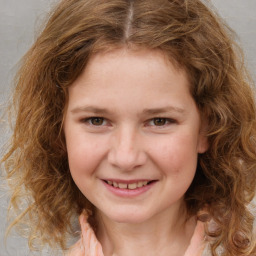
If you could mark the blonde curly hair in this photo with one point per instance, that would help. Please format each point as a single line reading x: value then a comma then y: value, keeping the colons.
x: 194, y: 38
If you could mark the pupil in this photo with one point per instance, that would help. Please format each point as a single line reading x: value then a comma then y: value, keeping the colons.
x: 159, y: 121
x: 97, y: 121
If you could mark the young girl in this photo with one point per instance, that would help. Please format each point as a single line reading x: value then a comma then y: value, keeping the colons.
x: 139, y: 117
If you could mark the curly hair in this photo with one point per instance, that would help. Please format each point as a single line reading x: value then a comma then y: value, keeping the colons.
x: 193, y: 37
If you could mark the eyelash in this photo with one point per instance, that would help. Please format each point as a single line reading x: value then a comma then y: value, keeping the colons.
x: 166, y: 121
x: 90, y: 119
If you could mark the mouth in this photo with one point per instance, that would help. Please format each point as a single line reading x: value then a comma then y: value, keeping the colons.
x: 129, y: 185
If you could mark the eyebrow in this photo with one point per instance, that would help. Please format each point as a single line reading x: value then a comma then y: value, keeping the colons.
x: 148, y: 111
x: 163, y: 110
x: 92, y: 109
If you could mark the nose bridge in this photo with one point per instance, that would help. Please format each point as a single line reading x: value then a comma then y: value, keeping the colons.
x: 126, y: 150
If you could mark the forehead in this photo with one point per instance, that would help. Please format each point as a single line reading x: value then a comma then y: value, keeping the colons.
x: 137, y: 62
x: 131, y: 81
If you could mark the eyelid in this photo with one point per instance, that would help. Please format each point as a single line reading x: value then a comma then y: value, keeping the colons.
x: 88, y: 120
x: 169, y: 121
x: 106, y: 122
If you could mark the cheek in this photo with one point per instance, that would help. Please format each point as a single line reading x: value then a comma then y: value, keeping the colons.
x: 176, y: 155
x: 84, y: 155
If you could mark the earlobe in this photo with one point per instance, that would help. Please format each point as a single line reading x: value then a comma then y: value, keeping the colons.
x: 203, y: 144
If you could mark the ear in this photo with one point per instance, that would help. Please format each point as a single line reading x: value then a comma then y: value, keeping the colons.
x: 203, y: 142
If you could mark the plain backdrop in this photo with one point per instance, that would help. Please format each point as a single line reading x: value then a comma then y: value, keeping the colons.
x: 20, y: 21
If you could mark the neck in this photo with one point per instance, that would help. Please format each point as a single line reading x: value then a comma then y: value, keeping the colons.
x: 167, y: 232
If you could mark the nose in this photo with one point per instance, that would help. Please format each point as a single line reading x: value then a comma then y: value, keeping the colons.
x: 126, y: 150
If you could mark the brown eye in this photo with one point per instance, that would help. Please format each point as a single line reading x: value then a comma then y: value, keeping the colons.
x: 97, y: 121
x: 159, y: 121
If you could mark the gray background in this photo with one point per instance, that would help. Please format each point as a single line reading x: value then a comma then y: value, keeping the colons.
x: 19, y: 22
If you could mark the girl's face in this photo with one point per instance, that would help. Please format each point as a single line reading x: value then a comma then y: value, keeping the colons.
x: 133, y: 133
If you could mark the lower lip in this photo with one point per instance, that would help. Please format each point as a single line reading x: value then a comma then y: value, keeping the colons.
x: 129, y: 192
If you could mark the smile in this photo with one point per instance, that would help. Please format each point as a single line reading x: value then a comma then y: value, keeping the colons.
x: 130, y: 186
x: 129, y: 189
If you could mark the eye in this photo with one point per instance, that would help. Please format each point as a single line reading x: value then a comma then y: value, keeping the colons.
x: 160, y: 121
x: 96, y: 121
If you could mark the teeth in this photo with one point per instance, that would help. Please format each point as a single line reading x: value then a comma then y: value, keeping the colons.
x: 127, y: 186
x: 140, y: 184
x: 122, y: 185
x: 132, y: 186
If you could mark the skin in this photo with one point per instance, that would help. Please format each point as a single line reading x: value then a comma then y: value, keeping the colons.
x: 147, y: 127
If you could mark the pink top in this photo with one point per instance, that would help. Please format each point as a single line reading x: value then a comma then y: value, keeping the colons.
x: 88, y: 245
